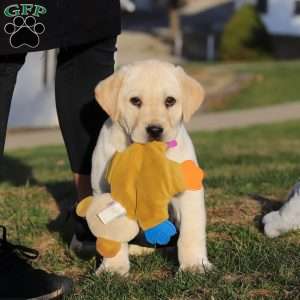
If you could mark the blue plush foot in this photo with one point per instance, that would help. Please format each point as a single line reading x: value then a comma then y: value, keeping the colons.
x: 160, y: 234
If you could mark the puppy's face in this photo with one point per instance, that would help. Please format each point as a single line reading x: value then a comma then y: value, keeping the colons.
x: 150, y: 99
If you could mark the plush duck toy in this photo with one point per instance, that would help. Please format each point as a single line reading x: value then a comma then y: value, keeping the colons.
x: 142, y: 182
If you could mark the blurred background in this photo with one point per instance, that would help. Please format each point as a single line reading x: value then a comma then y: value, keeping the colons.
x: 240, y: 50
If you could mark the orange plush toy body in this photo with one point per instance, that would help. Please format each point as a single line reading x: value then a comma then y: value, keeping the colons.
x: 143, y: 181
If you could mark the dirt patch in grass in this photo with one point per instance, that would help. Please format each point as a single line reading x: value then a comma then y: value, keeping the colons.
x: 245, y: 278
x: 51, y: 206
x: 220, y: 85
x: 75, y: 273
x: 262, y: 293
x: 44, y: 243
x: 218, y: 236
x: 239, y: 213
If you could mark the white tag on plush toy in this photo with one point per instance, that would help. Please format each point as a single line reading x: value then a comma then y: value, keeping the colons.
x: 111, y: 212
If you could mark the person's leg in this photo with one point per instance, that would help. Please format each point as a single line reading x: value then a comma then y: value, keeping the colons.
x: 9, y: 67
x: 18, y: 279
x: 79, y: 70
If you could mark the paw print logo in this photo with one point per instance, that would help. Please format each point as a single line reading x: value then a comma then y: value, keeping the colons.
x: 24, y: 32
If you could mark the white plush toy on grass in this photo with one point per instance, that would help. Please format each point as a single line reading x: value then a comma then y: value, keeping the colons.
x: 285, y: 219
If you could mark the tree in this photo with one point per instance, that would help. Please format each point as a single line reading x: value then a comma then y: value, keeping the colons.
x: 245, y: 37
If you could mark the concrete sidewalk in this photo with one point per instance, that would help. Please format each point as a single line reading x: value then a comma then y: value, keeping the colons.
x: 200, y: 122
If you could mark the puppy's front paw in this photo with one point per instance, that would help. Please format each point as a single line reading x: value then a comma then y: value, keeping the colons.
x: 111, y: 265
x: 200, y: 265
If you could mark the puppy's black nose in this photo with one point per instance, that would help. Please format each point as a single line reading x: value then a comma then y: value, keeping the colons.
x: 154, y: 131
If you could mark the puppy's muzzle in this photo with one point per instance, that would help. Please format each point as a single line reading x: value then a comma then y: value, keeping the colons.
x: 154, y: 132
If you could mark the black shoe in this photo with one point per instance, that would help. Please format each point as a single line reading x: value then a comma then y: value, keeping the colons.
x: 20, y: 281
x: 83, y: 243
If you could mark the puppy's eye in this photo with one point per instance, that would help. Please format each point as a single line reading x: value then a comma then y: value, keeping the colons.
x: 170, y: 101
x: 136, y: 101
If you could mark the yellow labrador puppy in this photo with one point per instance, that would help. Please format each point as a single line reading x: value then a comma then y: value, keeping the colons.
x: 146, y: 101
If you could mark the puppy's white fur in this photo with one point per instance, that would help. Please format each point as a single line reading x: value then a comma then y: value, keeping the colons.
x: 285, y: 219
x: 153, y: 81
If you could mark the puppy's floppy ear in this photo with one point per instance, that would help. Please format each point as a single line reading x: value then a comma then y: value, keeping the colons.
x: 193, y: 94
x: 107, y: 93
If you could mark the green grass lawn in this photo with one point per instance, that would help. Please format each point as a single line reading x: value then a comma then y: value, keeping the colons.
x: 261, y: 161
x: 269, y: 83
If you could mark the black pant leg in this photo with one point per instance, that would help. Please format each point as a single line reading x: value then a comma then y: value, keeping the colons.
x: 79, y: 70
x: 9, y: 67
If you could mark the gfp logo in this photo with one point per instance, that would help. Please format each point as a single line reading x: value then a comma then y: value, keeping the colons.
x: 24, y: 30
x: 24, y: 10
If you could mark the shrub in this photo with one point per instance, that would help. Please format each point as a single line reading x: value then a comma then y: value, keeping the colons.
x: 245, y: 37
